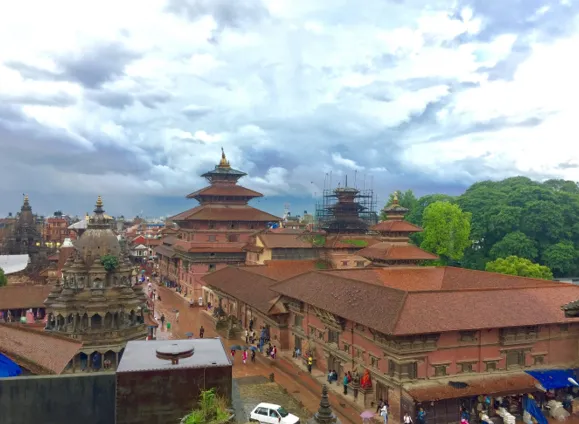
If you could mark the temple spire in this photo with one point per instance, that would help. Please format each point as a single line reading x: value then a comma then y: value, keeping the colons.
x: 26, y: 203
x: 324, y: 414
x: 99, y: 206
x: 224, y: 163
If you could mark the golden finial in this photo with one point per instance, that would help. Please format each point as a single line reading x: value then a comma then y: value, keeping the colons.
x: 26, y: 198
x: 395, y: 197
x: 99, y: 203
x: 223, y: 163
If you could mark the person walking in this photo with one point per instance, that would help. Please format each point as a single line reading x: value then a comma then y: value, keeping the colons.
x: 201, y: 332
x: 345, y: 384
x: 310, y: 363
x: 421, y: 416
x: 246, y: 336
x: 244, y: 356
x: 384, y: 413
x: 177, y: 316
x: 407, y: 418
x: 253, y: 356
x: 162, y: 320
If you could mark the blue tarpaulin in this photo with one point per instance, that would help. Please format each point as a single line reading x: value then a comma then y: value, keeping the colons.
x: 8, y: 368
x: 532, y: 408
x: 553, y: 379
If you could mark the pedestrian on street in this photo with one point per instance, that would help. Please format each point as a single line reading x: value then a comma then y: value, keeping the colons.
x: 345, y: 383
x: 246, y: 336
x: 162, y: 320
x: 253, y: 356
x: 201, y: 332
x: 310, y: 363
x: 251, y: 324
x: 244, y: 356
x: 177, y: 316
x: 384, y: 413
x: 232, y: 355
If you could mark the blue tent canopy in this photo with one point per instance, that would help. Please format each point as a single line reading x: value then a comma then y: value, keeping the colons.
x: 553, y: 379
x: 8, y: 368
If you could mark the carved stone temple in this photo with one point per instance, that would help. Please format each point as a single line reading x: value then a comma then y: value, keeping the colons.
x: 324, y: 414
x: 95, y: 302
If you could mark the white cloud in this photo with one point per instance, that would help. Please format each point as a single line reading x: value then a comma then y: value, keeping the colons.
x: 291, y: 90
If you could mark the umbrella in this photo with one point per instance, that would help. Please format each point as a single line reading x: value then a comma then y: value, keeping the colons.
x: 253, y: 348
x: 367, y: 415
x: 235, y: 347
x: 189, y: 335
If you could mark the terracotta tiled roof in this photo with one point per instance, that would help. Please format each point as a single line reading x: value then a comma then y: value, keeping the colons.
x: 23, y: 296
x: 380, y: 299
x: 281, y: 270
x: 248, y: 287
x: 192, y: 247
x: 165, y: 251
x: 287, y: 241
x: 41, y: 352
x: 225, y: 190
x: 152, y: 242
x: 348, y: 241
x: 282, y: 230
x: 170, y: 240
x: 252, y: 248
x: 496, y: 385
x: 396, y: 226
x: 387, y: 251
x: 220, y: 212
x: 53, y: 258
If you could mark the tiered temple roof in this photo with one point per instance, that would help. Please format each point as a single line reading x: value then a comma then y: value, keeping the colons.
x: 223, y: 199
x: 394, y: 247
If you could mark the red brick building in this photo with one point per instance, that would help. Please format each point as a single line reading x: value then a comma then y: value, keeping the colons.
x: 211, y: 235
x: 56, y: 230
x: 415, y: 329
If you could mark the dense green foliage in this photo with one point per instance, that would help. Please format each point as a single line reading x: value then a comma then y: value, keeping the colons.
x: 3, y: 278
x: 211, y: 409
x: 110, y: 262
x: 446, y: 231
x: 513, y: 217
x: 513, y: 265
x: 355, y: 242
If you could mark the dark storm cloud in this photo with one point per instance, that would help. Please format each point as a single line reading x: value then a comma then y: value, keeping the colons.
x: 227, y: 14
x: 59, y: 99
x: 123, y: 99
x: 91, y: 68
x: 25, y: 141
x: 97, y: 65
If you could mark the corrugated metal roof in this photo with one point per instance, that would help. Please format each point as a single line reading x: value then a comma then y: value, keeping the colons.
x: 13, y: 263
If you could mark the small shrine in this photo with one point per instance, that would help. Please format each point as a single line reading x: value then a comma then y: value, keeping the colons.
x: 324, y: 414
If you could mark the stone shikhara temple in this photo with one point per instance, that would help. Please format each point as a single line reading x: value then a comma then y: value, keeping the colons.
x: 96, y: 306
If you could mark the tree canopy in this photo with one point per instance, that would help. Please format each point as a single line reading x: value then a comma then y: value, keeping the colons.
x: 3, y: 278
x: 446, y: 231
x: 513, y: 265
x: 513, y: 217
x: 110, y: 262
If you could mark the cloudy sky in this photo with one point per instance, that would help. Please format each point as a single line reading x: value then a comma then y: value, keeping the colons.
x: 134, y: 99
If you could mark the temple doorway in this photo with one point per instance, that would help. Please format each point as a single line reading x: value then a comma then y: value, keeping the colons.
x: 335, y: 364
x: 381, y: 392
x: 298, y: 343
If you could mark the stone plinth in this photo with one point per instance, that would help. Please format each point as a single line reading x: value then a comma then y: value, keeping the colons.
x: 324, y: 414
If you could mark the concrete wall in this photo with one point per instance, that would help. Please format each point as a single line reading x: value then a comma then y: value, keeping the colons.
x: 80, y: 398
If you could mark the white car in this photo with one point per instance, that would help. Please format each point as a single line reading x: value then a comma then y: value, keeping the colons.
x: 269, y: 413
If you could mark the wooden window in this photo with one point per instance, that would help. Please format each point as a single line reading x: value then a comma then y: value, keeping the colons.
x: 321, y: 335
x: 467, y: 336
x: 413, y: 370
x: 233, y: 225
x: 346, y: 348
x: 298, y: 320
x: 211, y: 225
x: 564, y: 328
x: 466, y: 367
x: 440, y: 370
x: 374, y: 361
x: 360, y: 264
x: 515, y: 359
x: 211, y: 267
x: 359, y: 353
x: 233, y: 238
x: 212, y: 238
x: 539, y: 360
x: 391, y: 368
x: 333, y: 336
x: 344, y: 263
x: 490, y: 366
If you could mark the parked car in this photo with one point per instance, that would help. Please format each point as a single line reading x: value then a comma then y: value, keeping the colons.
x: 269, y: 413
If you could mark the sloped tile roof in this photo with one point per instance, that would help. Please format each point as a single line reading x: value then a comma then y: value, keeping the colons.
x: 225, y: 190
x: 396, y: 226
x: 23, y: 296
x: 396, y: 300
x: 281, y: 270
x: 192, y: 247
x: 221, y: 212
x: 287, y: 241
x: 386, y: 251
x: 41, y: 352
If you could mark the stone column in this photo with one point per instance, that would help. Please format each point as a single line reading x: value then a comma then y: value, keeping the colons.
x: 89, y: 321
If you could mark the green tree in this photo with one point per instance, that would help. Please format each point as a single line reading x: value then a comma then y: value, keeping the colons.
x: 415, y: 214
x: 561, y: 258
x: 3, y: 278
x: 515, y: 244
x: 406, y: 199
x: 446, y: 231
x: 522, y: 267
x: 110, y: 262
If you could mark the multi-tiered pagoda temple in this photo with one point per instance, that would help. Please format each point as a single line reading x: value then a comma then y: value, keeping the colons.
x: 213, y: 234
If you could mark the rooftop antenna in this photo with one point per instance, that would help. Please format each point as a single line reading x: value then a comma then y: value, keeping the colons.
x: 346, y: 185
